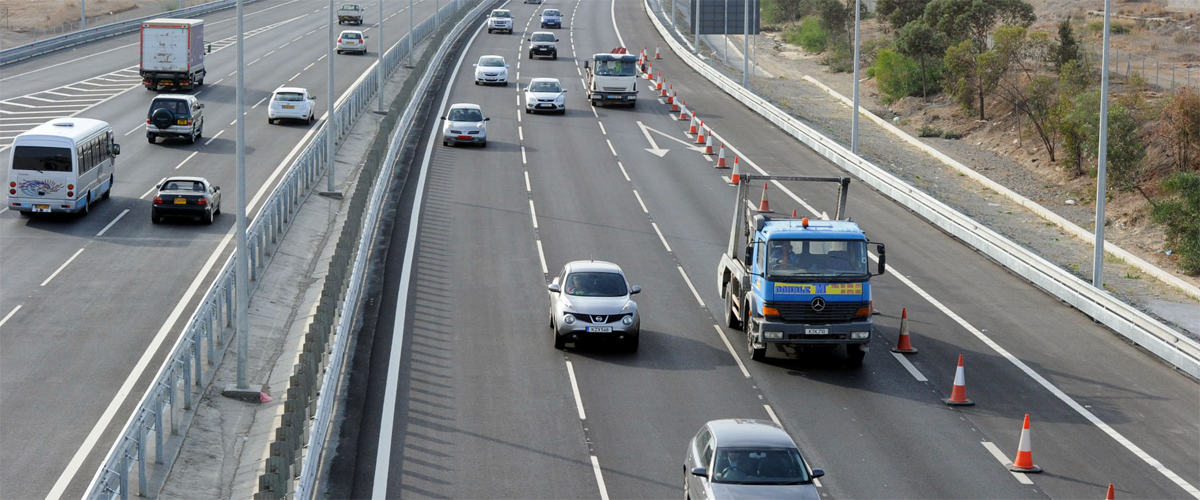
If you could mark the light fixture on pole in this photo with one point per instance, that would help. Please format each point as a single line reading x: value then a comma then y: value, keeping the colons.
x: 857, y: 45
x: 1102, y: 159
x: 83, y: 14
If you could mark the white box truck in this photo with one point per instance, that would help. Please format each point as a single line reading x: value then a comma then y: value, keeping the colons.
x: 172, y: 53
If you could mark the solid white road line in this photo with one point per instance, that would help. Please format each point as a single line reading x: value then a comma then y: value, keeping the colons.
x: 135, y: 129
x: 623, y: 172
x: 533, y: 214
x: 731, y: 351
x: 912, y: 370
x: 260, y: 101
x: 690, y: 286
x: 575, y: 391
x: 60, y: 268
x: 160, y: 181
x: 639, y: 199
x: 213, y: 138
x: 599, y: 478
x: 542, y: 258
x: 660, y: 236
x: 185, y: 160
x: 9, y: 315
x: 110, y: 224
x: 995, y: 450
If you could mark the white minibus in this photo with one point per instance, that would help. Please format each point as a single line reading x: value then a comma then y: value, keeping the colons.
x: 63, y: 165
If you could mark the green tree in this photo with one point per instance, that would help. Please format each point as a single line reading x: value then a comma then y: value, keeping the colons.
x: 898, y: 13
x: 896, y: 74
x: 1179, y: 213
x: 972, y: 75
x: 1031, y: 94
x: 1067, y: 48
x: 1180, y: 128
x: 975, y: 19
x: 920, y: 42
x: 1080, y: 128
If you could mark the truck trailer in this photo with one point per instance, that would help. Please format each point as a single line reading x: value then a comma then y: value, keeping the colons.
x: 172, y: 54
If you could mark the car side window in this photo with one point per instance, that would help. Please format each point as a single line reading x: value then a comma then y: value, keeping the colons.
x: 706, y: 453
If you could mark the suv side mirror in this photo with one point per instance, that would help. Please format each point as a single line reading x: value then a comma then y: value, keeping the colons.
x: 556, y: 39
x: 201, y: 106
x: 702, y: 472
x: 488, y: 119
x: 216, y: 189
x: 818, y: 473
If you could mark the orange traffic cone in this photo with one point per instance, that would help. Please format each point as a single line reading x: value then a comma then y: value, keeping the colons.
x: 904, y: 345
x: 958, y: 395
x: 736, y: 177
x: 1112, y: 495
x: 656, y: 56
x: 1024, y: 461
x: 763, y: 205
x: 708, y: 145
x: 671, y: 95
x: 793, y: 213
x: 700, y: 133
x: 683, y: 112
x: 658, y: 81
x: 721, y: 157
x: 650, y: 71
x: 662, y: 91
x: 692, y: 125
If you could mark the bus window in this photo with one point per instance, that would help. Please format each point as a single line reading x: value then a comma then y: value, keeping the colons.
x: 42, y: 159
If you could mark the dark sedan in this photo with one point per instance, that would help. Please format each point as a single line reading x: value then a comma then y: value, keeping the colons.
x: 192, y: 197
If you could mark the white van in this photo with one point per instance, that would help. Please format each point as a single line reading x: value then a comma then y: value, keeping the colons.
x: 61, y: 166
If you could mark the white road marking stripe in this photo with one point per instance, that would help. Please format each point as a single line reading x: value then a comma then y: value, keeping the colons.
x: 623, y: 172
x: 60, y: 268
x: 912, y: 370
x: 639, y: 198
x: 599, y: 478
x: 605, y: 132
x: 527, y: 187
x: 309, y: 66
x: 597, y: 115
x: 160, y: 181
x: 660, y: 236
x: 260, y: 101
x: 523, y: 158
x: 268, y: 53
x: 135, y: 129
x: 995, y: 450
x: 295, y: 76
x: 690, y: 286
x: 771, y: 413
x: 9, y: 315
x: 577, y: 71
x: 533, y: 214
x: 521, y: 132
x: 110, y: 224
x: 213, y: 138
x: 575, y: 391
x: 731, y: 351
x: 218, y: 81
x: 542, y: 257
x: 519, y: 113
x: 611, y: 148
x: 185, y: 160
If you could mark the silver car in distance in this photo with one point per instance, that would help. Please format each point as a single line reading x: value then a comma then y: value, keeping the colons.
x: 590, y: 300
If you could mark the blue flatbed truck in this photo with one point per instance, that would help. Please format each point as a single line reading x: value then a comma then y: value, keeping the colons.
x: 798, y: 284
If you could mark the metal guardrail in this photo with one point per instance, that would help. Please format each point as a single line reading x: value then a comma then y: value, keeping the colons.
x: 1180, y: 351
x: 22, y: 52
x: 190, y: 367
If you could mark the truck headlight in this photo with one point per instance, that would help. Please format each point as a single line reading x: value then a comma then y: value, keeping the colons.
x: 627, y: 320
x: 859, y: 335
x: 569, y: 319
x: 773, y: 335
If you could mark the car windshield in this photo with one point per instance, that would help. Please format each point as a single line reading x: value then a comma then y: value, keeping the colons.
x: 759, y: 466
x: 350, y: 6
x: 614, y: 68
x: 501, y: 13
x: 550, y: 13
x: 543, y: 37
x: 351, y: 36
x: 289, y: 96
x: 175, y: 106
x: 466, y: 115
x: 595, y: 284
x: 816, y: 258
x: 545, y: 87
x: 42, y: 159
x: 183, y: 185
x: 491, y: 62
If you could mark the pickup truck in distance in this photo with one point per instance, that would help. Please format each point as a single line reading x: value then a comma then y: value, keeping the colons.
x: 350, y: 13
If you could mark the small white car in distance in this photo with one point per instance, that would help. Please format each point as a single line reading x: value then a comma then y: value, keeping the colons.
x: 545, y: 94
x: 352, y: 41
x: 292, y: 103
x: 491, y: 69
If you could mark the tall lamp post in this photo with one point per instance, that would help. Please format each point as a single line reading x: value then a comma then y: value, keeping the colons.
x: 1102, y: 155
x: 331, y: 122
x: 857, y: 44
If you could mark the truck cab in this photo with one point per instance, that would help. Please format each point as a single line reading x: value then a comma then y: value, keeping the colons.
x: 612, y: 78
x: 350, y: 13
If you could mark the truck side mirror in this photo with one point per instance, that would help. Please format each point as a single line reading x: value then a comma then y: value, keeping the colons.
x: 882, y: 258
x: 208, y: 49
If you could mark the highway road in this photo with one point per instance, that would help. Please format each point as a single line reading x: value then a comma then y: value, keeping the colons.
x: 485, y: 407
x: 90, y: 305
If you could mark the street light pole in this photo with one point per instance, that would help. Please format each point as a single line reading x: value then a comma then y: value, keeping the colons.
x: 857, y: 44
x: 746, y: 45
x: 82, y: 14
x: 410, y: 32
x: 331, y: 122
x: 726, y: 33
x: 380, y: 74
x: 1101, y: 182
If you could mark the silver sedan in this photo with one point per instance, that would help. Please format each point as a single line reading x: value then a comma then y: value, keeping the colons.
x: 745, y: 458
x: 590, y: 300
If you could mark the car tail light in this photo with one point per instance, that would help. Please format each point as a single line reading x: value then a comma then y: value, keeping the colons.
x: 158, y: 199
x: 70, y: 186
x: 202, y: 201
x: 70, y: 194
x: 339, y: 40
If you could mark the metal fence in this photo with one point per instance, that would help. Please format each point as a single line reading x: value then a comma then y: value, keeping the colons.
x: 22, y: 52
x: 151, y: 438
x: 1164, y: 75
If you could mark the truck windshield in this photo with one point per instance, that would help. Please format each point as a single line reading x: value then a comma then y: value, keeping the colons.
x: 615, y: 68
x: 816, y: 259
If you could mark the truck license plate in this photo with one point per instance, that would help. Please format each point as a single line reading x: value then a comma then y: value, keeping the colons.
x: 600, y: 329
x: 816, y: 331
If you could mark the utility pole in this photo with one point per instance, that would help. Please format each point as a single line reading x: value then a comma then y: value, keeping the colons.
x: 410, y: 33
x: 725, y: 17
x: 746, y: 45
x: 82, y: 15
x: 857, y: 45
x: 380, y: 75
x: 331, y: 122
x: 1101, y: 182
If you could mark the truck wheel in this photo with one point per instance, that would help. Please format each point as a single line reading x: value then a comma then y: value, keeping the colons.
x: 151, y: 138
x: 854, y: 355
x: 112, y: 179
x: 755, y: 353
x: 731, y: 320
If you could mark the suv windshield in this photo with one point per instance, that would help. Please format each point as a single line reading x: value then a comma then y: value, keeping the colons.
x: 543, y: 37
x: 759, y: 466
x: 501, y: 13
x: 545, y: 87
x: 492, y: 62
x: 816, y: 258
x: 595, y: 284
x: 615, y: 68
x: 465, y: 115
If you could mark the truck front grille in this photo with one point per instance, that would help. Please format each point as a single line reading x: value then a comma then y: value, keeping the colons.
x: 615, y: 89
x: 834, y: 312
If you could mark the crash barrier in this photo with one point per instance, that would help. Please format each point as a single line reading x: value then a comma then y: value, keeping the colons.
x: 22, y: 52
x: 151, y: 439
x: 1173, y: 347
x: 299, y: 445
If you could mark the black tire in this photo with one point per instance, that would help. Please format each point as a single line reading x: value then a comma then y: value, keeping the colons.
x: 755, y: 354
x: 208, y: 218
x: 559, y: 342
x: 112, y: 179
x: 191, y: 138
x: 200, y: 133
x: 731, y: 320
x: 631, y: 344
x: 528, y: 111
x: 217, y: 211
x: 554, y: 56
x: 154, y: 219
x: 270, y: 121
x: 87, y: 205
x: 151, y: 138
x: 854, y: 356
x: 483, y: 144
x: 445, y: 143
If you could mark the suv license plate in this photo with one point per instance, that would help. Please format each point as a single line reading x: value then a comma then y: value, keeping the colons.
x: 816, y: 331
x: 600, y: 329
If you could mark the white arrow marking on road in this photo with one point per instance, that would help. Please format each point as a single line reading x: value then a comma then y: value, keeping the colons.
x: 654, y: 149
x: 685, y: 144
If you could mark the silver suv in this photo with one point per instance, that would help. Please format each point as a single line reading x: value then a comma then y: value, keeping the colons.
x: 175, y: 116
x: 500, y: 20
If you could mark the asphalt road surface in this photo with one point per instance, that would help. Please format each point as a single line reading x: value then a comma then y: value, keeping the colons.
x: 484, y: 406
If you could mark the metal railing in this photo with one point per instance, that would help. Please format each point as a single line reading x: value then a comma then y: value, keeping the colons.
x: 1163, y: 75
x: 151, y: 438
x: 22, y: 52
x: 1173, y: 347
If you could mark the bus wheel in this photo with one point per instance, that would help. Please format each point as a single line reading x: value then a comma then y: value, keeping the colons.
x: 111, y: 180
x: 87, y: 205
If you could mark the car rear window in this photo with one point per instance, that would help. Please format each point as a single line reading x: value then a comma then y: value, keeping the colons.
x: 175, y: 106
x: 182, y: 185
x: 543, y: 37
x: 289, y: 96
x: 351, y: 36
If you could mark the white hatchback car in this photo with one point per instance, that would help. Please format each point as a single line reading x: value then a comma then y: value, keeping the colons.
x: 545, y: 94
x: 464, y: 124
x: 352, y: 41
x: 292, y: 103
x: 491, y: 69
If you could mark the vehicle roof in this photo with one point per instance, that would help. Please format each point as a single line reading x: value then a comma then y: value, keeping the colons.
x: 301, y: 90
x: 185, y: 178
x: 172, y: 21
x: 542, y: 33
x: 82, y: 128
x: 352, y: 31
x: 465, y: 105
x: 543, y: 79
x: 491, y: 55
x: 550, y: 10
x: 499, y: 10
x: 749, y: 433
x: 181, y: 97
x: 817, y: 229
x: 594, y: 266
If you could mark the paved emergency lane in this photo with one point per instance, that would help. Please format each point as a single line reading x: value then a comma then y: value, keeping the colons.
x: 81, y: 347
